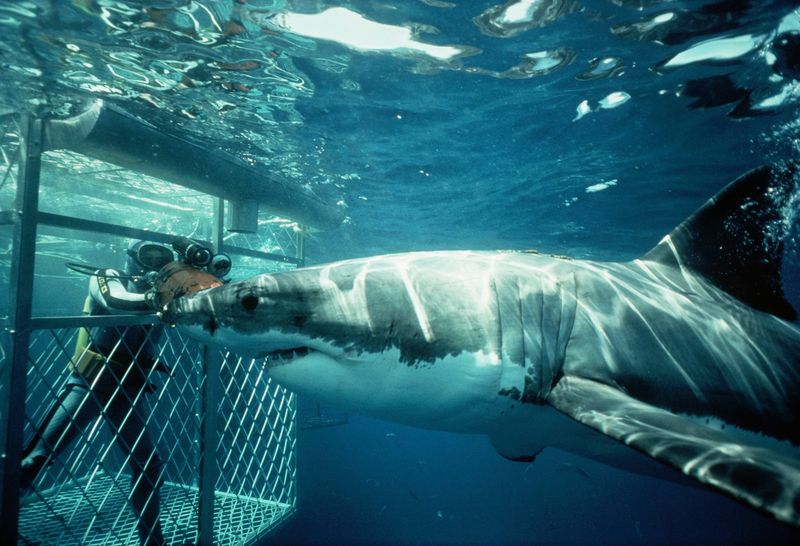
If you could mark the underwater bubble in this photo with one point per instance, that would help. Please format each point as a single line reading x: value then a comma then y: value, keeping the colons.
x: 718, y: 50
x: 600, y: 186
x: 544, y: 62
x: 517, y: 16
x: 610, y: 101
x: 539, y: 63
x: 680, y: 26
x: 645, y: 29
x: 604, y: 67
x: 534, y: 64
x: 582, y: 110
x: 614, y: 100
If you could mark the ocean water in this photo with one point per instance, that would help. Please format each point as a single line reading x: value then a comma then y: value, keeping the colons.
x: 587, y: 129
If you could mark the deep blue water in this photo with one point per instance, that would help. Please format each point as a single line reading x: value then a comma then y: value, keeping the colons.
x: 432, y: 156
x: 372, y: 482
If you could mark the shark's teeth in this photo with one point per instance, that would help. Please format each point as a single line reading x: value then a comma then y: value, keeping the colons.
x: 287, y: 355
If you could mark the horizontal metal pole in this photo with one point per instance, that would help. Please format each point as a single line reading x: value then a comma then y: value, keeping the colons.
x: 230, y: 249
x: 109, y: 133
x: 87, y: 321
x: 70, y: 222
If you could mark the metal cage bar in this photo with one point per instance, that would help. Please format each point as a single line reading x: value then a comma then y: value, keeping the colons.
x: 208, y: 471
x: 16, y: 334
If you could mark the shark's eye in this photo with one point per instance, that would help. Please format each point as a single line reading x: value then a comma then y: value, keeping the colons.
x: 250, y: 302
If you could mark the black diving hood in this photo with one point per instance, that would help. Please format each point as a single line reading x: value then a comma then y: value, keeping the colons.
x: 108, y: 133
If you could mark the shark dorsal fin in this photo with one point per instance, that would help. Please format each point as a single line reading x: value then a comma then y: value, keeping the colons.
x: 735, y: 240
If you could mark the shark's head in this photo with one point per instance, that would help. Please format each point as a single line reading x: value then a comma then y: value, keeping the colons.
x: 267, y: 316
x: 413, y: 338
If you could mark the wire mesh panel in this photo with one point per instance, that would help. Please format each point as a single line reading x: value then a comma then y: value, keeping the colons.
x: 9, y: 151
x: 9, y: 146
x: 255, y: 451
x: 275, y: 235
x: 103, y: 442
x: 117, y: 462
x: 5, y: 280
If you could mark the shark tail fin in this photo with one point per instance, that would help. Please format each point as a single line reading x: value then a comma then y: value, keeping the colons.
x: 736, y: 239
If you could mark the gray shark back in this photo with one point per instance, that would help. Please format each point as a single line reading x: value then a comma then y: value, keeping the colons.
x: 670, y: 338
x: 701, y: 332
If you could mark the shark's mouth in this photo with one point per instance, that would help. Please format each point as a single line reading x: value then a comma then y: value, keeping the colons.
x: 285, y: 356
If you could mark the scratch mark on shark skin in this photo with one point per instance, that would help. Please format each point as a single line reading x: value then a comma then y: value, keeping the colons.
x: 678, y: 289
x: 419, y: 308
x: 693, y: 285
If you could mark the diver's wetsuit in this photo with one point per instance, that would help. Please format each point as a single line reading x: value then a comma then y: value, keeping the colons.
x: 114, y: 390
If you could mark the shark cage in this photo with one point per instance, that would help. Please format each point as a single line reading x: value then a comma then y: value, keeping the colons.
x: 204, y: 451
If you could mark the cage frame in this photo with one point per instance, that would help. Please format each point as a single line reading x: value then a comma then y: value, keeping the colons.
x: 18, y: 326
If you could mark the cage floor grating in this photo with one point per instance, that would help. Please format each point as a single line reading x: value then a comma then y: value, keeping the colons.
x: 66, y: 516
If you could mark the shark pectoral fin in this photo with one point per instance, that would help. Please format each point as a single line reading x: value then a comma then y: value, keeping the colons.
x: 757, y: 476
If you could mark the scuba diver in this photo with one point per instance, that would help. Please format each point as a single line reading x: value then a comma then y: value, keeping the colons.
x: 109, y: 377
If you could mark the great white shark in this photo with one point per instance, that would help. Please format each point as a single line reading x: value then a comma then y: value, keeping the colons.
x: 675, y: 355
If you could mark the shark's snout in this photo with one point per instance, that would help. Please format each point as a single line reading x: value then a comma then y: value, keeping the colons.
x: 247, y: 318
x: 192, y: 311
